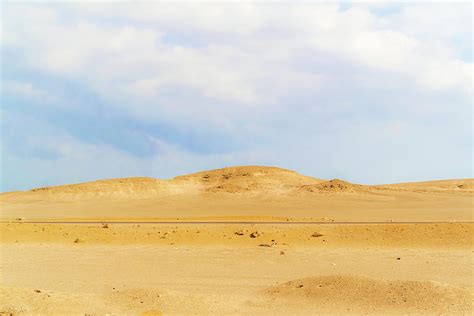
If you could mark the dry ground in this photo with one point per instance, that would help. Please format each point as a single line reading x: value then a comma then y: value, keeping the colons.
x: 286, y: 269
x: 179, y: 268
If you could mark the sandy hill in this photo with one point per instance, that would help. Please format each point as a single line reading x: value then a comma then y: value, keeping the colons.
x: 248, y: 179
x: 242, y: 191
x: 455, y: 185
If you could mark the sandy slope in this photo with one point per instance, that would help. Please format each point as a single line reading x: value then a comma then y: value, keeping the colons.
x: 244, y: 192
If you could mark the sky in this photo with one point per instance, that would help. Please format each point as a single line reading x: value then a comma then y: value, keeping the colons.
x: 377, y: 92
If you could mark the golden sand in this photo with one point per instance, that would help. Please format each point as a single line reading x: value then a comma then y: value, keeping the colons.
x: 242, y: 240
x: 242, y: 192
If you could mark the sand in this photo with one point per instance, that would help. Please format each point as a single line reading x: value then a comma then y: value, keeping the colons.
x: 232, y: 269
x: 243, y: 192
x: 238, y: 241
x: 342, y: 294
x: 393, y: 235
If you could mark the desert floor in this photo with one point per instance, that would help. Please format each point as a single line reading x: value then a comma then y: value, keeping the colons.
x: 232, y: 269
x: 286, y: 244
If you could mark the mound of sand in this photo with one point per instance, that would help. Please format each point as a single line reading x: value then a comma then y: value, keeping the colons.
x: 248, y: 179
x: 439, y: 186
x: 358, y: 294
x: 332, y: 186
x: 110, y: 189
x: 244, y: 191
x: 107, y: 188
x: 232, y: 180
x: 270, y: 181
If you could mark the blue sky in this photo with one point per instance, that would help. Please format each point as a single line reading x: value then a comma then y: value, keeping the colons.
x: 371, y: 93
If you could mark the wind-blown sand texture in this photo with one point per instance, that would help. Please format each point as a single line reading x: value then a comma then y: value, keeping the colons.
x: 246, y: 193
x: 284, y: 263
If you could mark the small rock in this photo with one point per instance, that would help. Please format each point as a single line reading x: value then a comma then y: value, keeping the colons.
x: 273, y: 244
x: 300, y: 286
x: 398, y: 258
x: 105, y: 225
x: 254, y: 234
x: 37, y: 291
x: 316, y: 234
x: 239, y: 232
x: 77, y: 240
x: 282, y: 252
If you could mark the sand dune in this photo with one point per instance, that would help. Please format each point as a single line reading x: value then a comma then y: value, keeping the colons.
x: 244, y: 192
x: 334, y: 186
x: 247, y: 179
x: 466, y: 185
x: 256, y: 180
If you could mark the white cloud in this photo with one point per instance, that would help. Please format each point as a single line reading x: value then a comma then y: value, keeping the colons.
x: 244, y: 50
x: 29, y: 91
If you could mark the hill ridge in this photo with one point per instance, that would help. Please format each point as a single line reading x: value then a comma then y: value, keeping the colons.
x: 237, y: 180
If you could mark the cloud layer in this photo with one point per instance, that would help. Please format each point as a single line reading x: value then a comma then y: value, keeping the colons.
x: 369, y: 93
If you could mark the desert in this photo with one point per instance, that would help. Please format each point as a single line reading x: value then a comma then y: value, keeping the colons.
x: 236, y: 158
x: 248, y: 240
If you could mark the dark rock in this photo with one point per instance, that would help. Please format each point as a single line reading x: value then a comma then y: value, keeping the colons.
x: 254, y: 234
